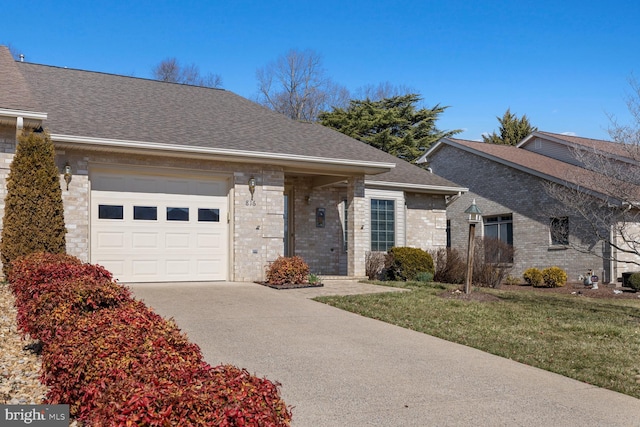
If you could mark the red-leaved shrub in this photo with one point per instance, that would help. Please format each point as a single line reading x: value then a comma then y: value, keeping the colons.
x: 287, y: 270
x: 117, y: 363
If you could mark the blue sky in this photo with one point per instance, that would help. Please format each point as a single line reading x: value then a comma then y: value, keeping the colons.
x: 565, y: 64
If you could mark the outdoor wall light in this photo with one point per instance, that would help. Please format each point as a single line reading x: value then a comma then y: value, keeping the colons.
x: 252, y: 186
x: 67, y: 174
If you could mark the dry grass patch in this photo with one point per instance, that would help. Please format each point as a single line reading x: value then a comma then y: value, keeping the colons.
x: 591, y: 340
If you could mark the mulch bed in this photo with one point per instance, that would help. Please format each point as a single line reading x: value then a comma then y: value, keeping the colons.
x: 291, y: 285
x: 577, y: 289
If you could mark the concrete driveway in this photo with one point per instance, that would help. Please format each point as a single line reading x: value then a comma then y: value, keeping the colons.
x: 341, y: 369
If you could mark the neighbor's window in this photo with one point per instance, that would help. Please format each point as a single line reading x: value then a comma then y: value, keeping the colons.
x: 147, y: 213
x: 559, y: 228
x: 500, y: 228
x: 383, y: 225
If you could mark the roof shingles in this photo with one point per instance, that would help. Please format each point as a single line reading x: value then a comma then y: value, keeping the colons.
x: 99, y: 105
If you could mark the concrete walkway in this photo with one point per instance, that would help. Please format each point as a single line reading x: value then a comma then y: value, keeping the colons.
x: 341, y: 369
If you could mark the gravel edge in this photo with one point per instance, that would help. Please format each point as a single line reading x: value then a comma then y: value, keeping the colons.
x: 19, y: 368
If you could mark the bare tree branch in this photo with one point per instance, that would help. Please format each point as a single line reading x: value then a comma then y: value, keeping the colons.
x: 296, y: 85
x: 170, y: 70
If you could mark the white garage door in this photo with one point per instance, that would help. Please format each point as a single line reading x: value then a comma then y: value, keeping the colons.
x: 147, y: 228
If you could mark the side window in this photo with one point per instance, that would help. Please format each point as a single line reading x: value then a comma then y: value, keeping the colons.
x: 559, y: 228
x: 499, y: 228
x: 110, y: 212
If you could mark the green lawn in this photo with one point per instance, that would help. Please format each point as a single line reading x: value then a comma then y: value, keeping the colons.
x: 592, y: 340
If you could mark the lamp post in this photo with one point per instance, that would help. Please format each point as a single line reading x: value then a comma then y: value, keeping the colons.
x: 475, y: 216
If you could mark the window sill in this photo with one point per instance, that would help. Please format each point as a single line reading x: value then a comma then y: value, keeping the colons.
x: 558, y: 247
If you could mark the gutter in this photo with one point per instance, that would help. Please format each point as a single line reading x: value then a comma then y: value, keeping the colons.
x: 439, y: 189
x: 106, y: 144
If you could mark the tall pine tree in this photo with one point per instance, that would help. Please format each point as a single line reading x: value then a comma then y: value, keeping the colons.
x: 512, y: 130
x: 394, y: 124
x: 33, y: 213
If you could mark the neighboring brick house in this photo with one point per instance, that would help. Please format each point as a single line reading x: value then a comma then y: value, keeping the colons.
x: 173, y: 182
x: 510, y: 186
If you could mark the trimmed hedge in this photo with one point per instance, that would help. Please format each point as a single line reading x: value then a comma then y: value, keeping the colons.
x: 116, y: 363
x: 405, y: 263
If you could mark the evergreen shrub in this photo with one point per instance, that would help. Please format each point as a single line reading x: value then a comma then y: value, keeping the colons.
x: 405, y: 263
x: 634, y: 281
x: 554, y: 277
x: 533, y: 277
x: 33, y: 214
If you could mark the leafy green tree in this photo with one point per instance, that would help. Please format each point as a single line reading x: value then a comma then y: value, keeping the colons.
x: 512, y: 130
x: 395, y: 125
x: 33, y: 213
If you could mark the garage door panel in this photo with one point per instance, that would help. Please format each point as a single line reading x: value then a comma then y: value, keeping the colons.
x: 175, y: 246
x: 110, y: 240
x: 178, y: 267
x: 177, y: 240
x: 145, y: 241
x: 208, y: 266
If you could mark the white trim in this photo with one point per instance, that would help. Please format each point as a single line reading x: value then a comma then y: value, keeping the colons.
x: 371, y: 167
x: 408, y: 186
x: 24, y: 114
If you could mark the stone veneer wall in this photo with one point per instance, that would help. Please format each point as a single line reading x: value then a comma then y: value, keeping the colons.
x: 358, y: 240
x: 258, y: 230
x: 426, y: 217
x: 499, y: 190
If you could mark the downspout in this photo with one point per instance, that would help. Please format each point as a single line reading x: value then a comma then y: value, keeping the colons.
x: 19, y: 126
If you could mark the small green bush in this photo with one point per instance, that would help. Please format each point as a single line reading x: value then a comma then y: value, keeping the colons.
x: 287, y: 270
x: 314, y: 279
x: 405, y: 263
x: 634, y: 281
x: 533, y: 277
x: 554, y: 277
x: 424, y: 277
x: 511, y: 280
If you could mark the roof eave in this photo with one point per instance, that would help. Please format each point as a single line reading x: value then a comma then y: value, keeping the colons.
x: 417, y: 188
x: 280, y: 159
x: 22, y: 117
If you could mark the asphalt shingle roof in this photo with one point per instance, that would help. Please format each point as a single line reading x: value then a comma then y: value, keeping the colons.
x: 539, y: 164
x: 99, y: 105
